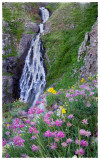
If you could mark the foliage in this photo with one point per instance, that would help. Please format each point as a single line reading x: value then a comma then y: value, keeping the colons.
x: 69, y: 23
x: 71, y: 128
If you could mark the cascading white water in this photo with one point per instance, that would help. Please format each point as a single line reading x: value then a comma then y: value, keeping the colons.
x: 33, y: 79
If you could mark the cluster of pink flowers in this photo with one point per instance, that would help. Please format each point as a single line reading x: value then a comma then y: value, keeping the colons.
x: 58, y: 122
x: 64, y: 144
x: 85, y: 133
x: 53, y: 146
x: 81, y: 151
x: 56, y: 134
x: 70, y: 116
x: 32, y: 110
x: 18, y: 141
x: 17, y: 124
x: 33, y: 130
x: 48, y: 121
x: 69, y: 124
x: 39, y: 111
x: 83, y: 143
x: 69, y: 140
x: 35, y: 148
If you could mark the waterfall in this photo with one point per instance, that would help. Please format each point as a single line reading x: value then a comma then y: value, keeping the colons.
x: 33, y: 79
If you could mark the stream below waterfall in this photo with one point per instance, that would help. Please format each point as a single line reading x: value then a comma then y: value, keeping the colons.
x: 33, y: 78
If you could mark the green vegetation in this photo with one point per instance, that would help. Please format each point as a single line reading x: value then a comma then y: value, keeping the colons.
x: 69, y: 23
x: 72, y: 126
x: 15, y: 15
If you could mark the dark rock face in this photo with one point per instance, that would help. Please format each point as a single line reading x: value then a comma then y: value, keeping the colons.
x: 90, y: 46
x: 7, y: 89
x: 9, y: 64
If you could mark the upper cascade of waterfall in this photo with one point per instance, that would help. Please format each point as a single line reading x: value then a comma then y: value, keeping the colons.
x: 33, y: 79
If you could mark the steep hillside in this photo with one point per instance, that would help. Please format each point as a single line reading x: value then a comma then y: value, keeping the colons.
x: 64, y: 33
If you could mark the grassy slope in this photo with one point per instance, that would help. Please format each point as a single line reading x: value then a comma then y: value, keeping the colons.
x: 16, y: 14
x: 62, y: 42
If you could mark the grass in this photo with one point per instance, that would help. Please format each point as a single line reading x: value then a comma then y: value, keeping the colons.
x: 62, y: 42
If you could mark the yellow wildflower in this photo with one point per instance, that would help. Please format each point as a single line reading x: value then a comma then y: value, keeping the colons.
x: 7, y: 125
x: 61, y: 106
x: 82, y: 80
x: 51, y: 90
x: 63, y: 110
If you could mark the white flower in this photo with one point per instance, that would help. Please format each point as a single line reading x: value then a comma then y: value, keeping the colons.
x: 74, y: 156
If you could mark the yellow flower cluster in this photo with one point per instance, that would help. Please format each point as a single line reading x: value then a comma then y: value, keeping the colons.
x: 63, y: 110
x: 51, y: 90
x: 83, y: 81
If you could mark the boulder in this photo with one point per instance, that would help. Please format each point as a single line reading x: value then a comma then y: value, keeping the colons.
x: 30, y: 26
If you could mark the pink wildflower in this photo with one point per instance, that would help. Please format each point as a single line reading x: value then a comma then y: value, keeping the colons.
x: 39, y: 110
x: 58, y: 122
x: 53, y: 123
x: 18, y: 141
x: 91, y: 93
x: 34, y: 137
x: 76, y: 100
x: 84, y: 121
x: 69, y: 124
x: 56, y: 106
x: 64, y: 144
x: 32, y: 123
x: 21, y: 125
x: 60, y: 134
x: 38, y: 102
x: 48, y: 133
x: 87, y: 134
x: 53, y: 146
x: 31, y: 110
x: 16, y: 121
x: 4, y: 142
x: 57, y: 139
x: 7, y: 133
x: 82, y: 132
x: 68, y: 95
x: 7, y: 155
x: 25, y: 156
x: 77, y: 141
x: 31, y: 116
x: 69, y: 140
x: 88, y: 105
x: 84, y: 143
x: 27, y: 121
x: 70, y: 116
x: 35, y: 148
x: 71, y: 99
x: 81, y: 152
